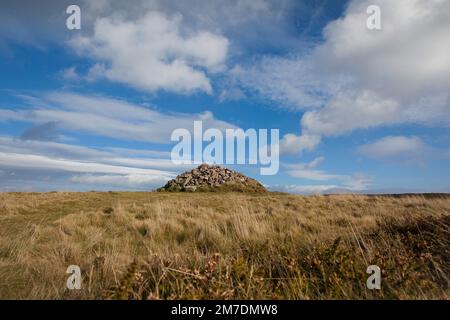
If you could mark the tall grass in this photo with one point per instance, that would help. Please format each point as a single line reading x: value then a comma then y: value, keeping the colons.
x: 222, y: 246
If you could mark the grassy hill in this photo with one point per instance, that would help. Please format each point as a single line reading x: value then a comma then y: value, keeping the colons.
x: 222, y: 245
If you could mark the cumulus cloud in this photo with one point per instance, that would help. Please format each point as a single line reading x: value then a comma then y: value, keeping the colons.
x: 246, y: 21
x: 406, y: 60
x: 153, y: 52
x: 400, y: 74
x: 361, y: 79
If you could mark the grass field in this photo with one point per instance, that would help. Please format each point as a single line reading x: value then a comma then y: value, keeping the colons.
x: 222, y: 246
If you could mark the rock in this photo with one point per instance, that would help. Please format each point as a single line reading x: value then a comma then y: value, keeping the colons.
x: 213, y: 178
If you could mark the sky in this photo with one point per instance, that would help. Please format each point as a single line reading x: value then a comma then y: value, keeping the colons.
x: 358, y: 110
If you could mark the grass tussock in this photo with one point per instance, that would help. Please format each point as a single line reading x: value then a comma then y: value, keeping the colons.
x: 222, y: 246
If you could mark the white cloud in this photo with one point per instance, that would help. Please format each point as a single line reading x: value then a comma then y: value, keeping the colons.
x: 70, y: 74
x: 349, y: 111
x: 306, y: 166
x: 362, y: 79
x: 397, y: 149
x: 107, y: 117
x: 32, y: 161
x: 314, y: 163
x: 153, y: 52
x: 139, y: 152
x: 308, y: 171
x: 289, y: 81
x: 231, y: 94
x: 406, y: 60
x: 114, y: 156
x: 248, y: 23
x: 293, y: 144
x: 10, y: 115
x: 122, y: 181
x: 55, y: 149
x: 15, y: 160
x: 113, y: 118
x: 400, y: 74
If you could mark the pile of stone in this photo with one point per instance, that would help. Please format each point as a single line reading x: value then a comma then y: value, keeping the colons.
x: 213, y: 178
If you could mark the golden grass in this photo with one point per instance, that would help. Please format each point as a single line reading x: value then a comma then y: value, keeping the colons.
x: 222, y: 246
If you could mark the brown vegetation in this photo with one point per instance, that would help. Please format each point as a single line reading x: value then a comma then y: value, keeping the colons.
x: 222, y: 246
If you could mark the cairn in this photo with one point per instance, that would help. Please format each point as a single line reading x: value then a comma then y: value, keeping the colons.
x: 213, y: 178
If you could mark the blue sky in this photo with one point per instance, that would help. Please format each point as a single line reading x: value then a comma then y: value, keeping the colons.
x: 358, y: 110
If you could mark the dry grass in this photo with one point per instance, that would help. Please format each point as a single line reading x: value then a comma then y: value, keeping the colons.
x: 222, y: 246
